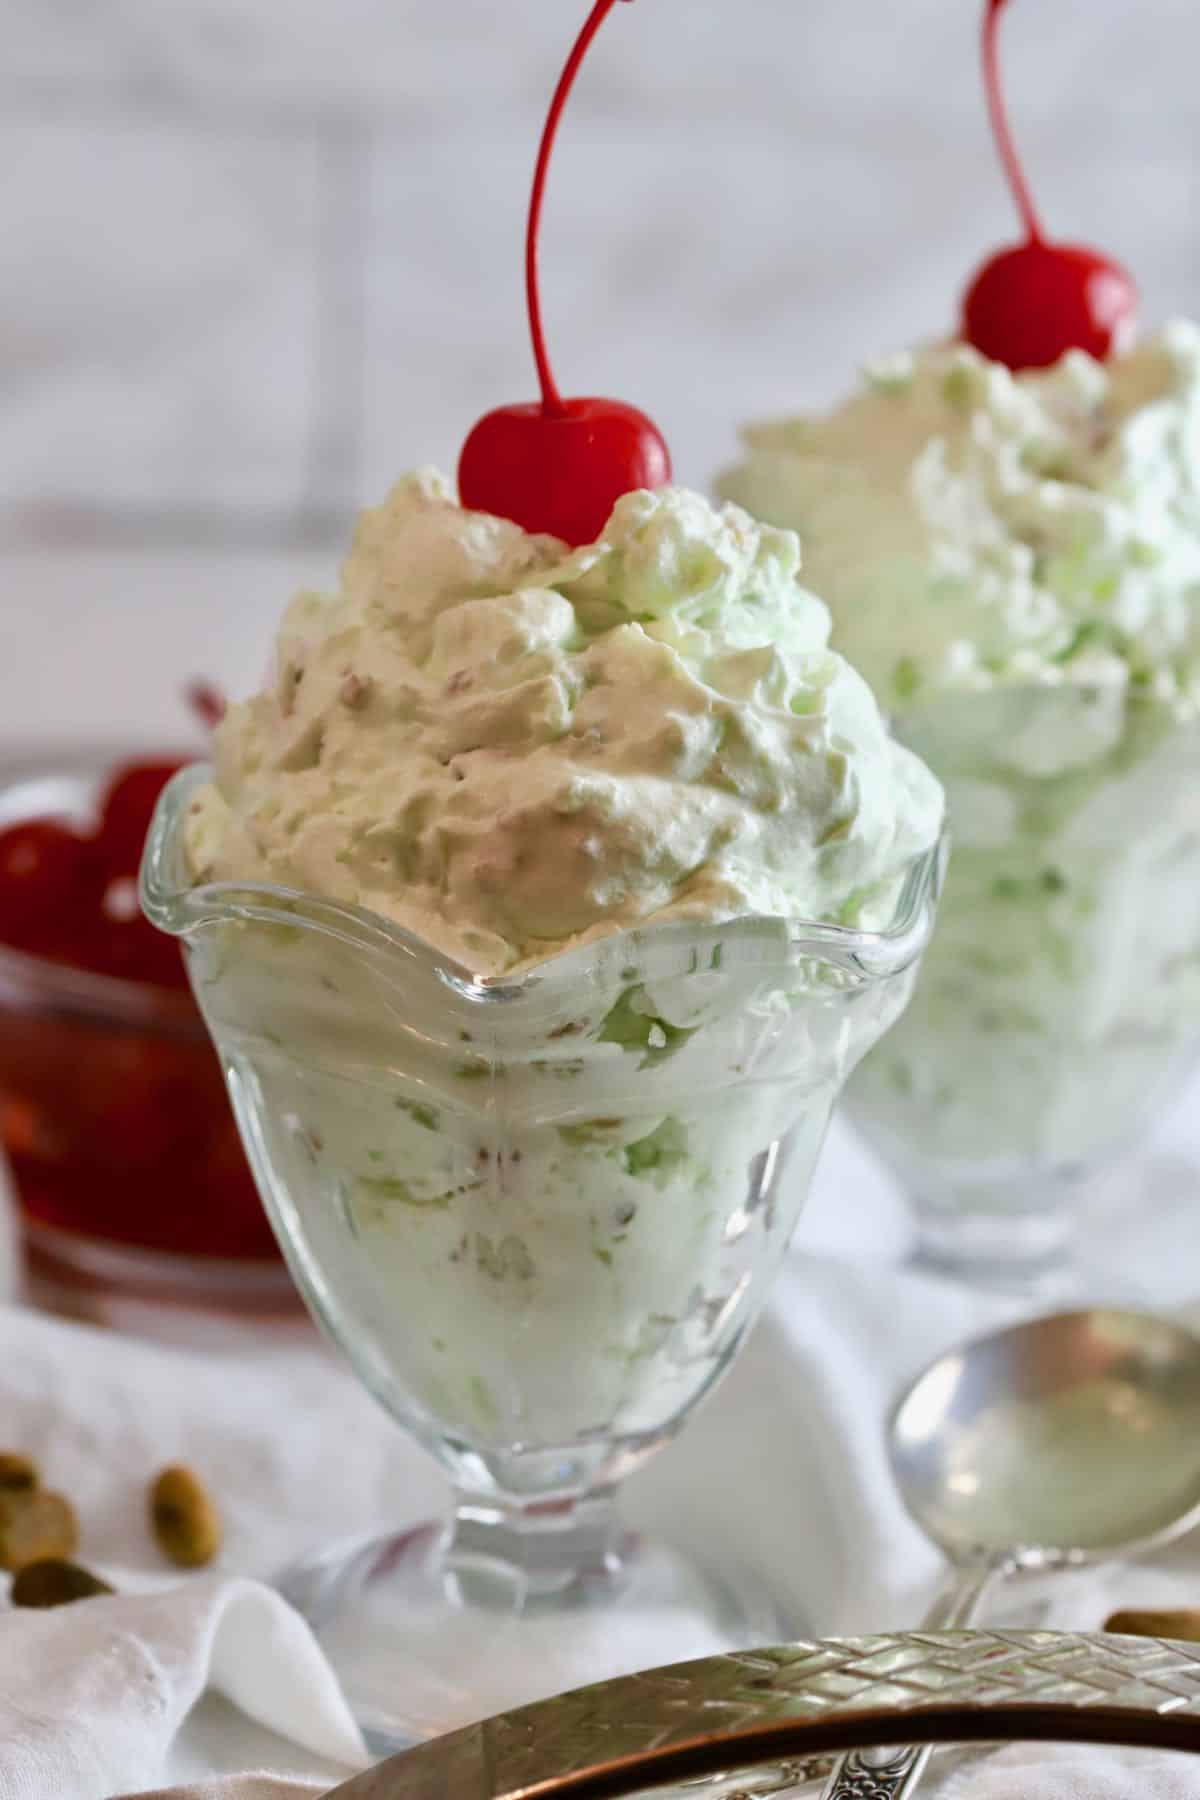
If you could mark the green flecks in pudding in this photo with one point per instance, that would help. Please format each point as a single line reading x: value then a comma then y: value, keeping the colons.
x: 507, y: 1260
x: 602, y: 1133
x: 658, y: 1156
x: 422, y: 1115
x: 390, y: 1187
x: 483, y: 1401
x: 632, y: 1024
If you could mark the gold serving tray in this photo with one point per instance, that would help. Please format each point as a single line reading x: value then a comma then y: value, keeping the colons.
x: 764, y: 1722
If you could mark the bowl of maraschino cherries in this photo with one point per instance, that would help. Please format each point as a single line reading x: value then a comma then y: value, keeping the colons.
x: 134, y: 1200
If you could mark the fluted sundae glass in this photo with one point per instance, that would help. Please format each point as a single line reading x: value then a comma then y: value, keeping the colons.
x: 1058, y: 1009
x: 1013, y: 561
x: 538, y: 1213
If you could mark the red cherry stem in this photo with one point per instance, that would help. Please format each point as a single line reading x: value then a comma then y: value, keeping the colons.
x: 1000, y: 127
x: 552, y: 400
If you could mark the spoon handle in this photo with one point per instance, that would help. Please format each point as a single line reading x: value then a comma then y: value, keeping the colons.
x: 959, y: 1601
x: 894, y: 1774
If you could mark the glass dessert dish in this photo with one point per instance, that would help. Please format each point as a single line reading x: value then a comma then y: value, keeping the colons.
x: 538, y: 1212
x: 1059, y: 1004
x: 136, y: 1205
x: 1011, y: 560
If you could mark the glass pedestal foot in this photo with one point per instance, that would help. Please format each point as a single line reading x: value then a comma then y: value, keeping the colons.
x: 1007, y: 1252
x: 428, y: 1634
x: 1077, y: 1252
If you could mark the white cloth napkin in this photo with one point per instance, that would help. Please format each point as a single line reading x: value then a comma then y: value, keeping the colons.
x: 96, y: 1695
x: 1059, y: 1772
x: 785, y: 1469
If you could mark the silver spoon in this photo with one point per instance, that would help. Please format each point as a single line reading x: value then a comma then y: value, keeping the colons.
x: 1051, y: 1445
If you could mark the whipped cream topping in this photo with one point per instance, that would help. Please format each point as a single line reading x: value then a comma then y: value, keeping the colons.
x: 972, y: 528
x: 508, y: 748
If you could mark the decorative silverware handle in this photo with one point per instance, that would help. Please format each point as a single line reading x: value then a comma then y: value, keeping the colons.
x: 894, y: 1774
x: 877, y: 1774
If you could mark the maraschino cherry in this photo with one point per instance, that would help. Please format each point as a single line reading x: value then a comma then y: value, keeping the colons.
x: 69, y: 894
x: 556, y: 465
x: 1029, y: 305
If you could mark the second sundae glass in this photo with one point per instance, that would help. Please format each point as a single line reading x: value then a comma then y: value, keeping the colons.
x: 1059, y: 1005
x: 1012, y: 559
x: 539, y: 1214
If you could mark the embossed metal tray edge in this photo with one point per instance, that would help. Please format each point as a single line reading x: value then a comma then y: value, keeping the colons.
x: 739, y: 1712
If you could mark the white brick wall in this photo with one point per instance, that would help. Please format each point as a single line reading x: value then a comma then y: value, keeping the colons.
x: 259, y: 257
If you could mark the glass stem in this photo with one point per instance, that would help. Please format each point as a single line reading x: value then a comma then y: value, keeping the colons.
x: 501, y: 1553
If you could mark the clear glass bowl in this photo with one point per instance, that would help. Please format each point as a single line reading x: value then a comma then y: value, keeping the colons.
x: 539, y: 1215
x: 1059, y: 1004
x: 136, y: 1206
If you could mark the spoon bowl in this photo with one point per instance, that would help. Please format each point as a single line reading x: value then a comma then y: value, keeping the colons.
x: 1064, y: 1440
x: 1059, y: 1442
